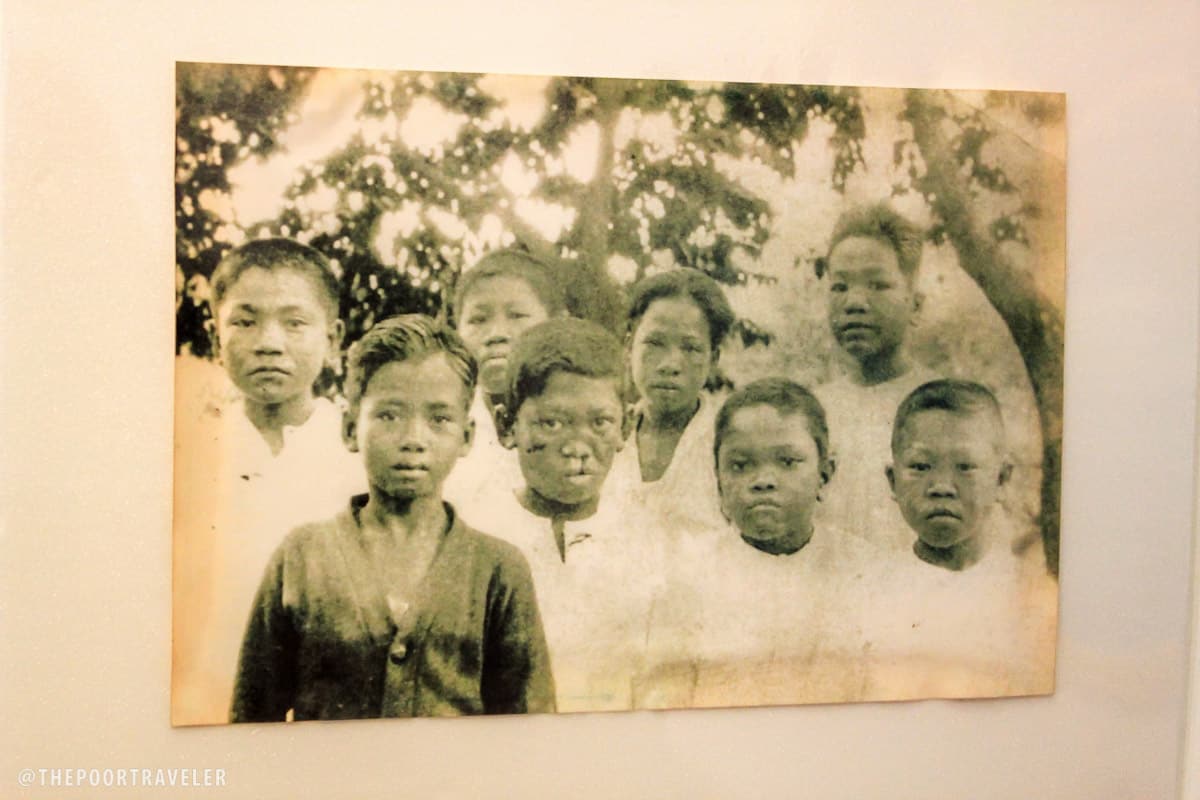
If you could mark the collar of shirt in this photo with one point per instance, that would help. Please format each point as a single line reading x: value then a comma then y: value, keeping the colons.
x: 250, y: 456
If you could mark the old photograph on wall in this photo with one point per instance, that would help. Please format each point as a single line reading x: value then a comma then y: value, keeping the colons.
x: 509, y: 394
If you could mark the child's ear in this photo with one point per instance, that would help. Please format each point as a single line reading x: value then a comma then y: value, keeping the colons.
x: 468, y: 437
x: 337, y: 334
x: 504, y: 426
x: 891, y: 476
x: 918, y: 301
x: 827, y: 470
x: 1006, y: 470
x: 628, y: 421
x: 350, y: 431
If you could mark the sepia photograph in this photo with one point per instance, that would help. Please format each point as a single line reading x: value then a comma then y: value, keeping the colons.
x: 501, y: 394
x: 720, y: 366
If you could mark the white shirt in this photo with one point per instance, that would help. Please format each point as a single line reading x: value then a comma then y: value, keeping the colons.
x: 487, y: 470
x: 684, y: 500
x: 737, y: 626
x: 986, y: 630
x: 858, y: 499
x: 228, y: 528
x: 594, y: 603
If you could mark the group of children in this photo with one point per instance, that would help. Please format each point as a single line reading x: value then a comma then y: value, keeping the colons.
x: 540, y: 516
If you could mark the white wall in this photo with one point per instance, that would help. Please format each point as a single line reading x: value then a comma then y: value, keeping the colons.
x: 84, y: 575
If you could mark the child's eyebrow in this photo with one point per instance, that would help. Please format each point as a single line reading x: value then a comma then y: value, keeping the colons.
x: 392, y: 401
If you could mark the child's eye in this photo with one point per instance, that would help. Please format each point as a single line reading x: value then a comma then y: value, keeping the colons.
x: 737, y: 466
x: 476, y: 319
x: 442, y: 419
x: 693, y: 348
x: 880, y: 286
x: 791, y: 461
x: 838, y: 286
x: 966, y: 467
x: 603, y: 423
x: 242, y: 323
x: 296, y: 323
x: 517, y: 315
x: 919, y: 466
x: 385, y: 416
x: 550, y: 424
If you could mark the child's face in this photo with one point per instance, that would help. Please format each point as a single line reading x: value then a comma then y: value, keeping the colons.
x: 871, y: 302
x: 671, y: 354
x: 769, y: 471
x: 275, y: 334
x: 411, y: 426
x: 566, y: 437
x: 946, y: 474
x: 495, y: 311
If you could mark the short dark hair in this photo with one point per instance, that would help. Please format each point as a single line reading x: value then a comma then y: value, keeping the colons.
x: 277, y: 254
x: 691, y: 284
x: 783, y: 395
x: 409, y: 336
x: 880, y: 221
x: 513, y: 263
x: 960, y: 397
x: 566, y: 344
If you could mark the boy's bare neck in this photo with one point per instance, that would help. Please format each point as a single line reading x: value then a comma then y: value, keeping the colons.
x: 955, y: 558
x: 794, y: 542
x: 271, y: 418
x: 878, y: 369
x: 669, y: 421
x: 405, y: 519
x: 542, y: 506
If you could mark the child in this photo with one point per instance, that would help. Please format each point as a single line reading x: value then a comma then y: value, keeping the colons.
x: 965, y: 617
x: 395, y: 607
x: 565, y: 415
x: 676, y: 323
x: 254, y: 466
x: 948, y: 466
x: 505, y: 293
x: 773, y: 616
x: 771, y: 447
x: 872, y: 264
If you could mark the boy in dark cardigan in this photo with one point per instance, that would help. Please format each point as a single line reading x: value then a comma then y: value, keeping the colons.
x: 395, y: 607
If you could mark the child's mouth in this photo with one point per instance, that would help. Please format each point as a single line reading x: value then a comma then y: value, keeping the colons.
x: 856, y: 327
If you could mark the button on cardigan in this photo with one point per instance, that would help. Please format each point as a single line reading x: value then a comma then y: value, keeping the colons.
x: 323, y: 643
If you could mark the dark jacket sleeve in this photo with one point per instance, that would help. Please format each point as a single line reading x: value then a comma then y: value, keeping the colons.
x: 265, y: 688
x: 516, y: 667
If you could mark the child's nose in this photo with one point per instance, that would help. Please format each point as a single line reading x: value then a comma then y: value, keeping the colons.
x: 414, y: 436
x: 576, y: 447
x: 764, y: 481
x: 856, y: 299
x: 942, y: 486
x: 497, y: 333
x: 270, y: 338
x: 672, y: 361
